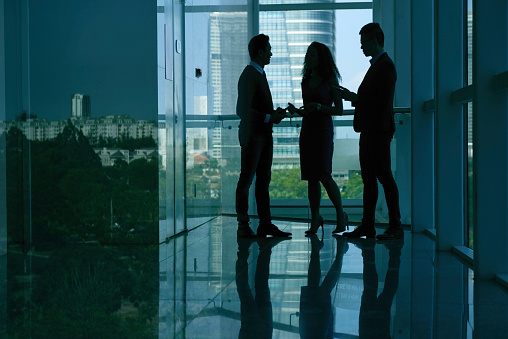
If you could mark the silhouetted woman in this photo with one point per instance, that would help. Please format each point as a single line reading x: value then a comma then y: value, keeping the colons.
x: 322, y: 99
x: 316, y: 312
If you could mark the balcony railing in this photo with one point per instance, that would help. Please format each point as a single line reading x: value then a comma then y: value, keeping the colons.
x: 213, y: 164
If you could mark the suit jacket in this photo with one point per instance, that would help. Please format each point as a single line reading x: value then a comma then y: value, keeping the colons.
x: 374, y: 108
x: 254, y: 103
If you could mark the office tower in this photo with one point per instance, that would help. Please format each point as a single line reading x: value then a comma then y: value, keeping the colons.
x: 80, y: 105
x: 228, y: 57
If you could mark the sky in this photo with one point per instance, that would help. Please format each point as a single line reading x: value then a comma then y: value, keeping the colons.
x: 104, y: 48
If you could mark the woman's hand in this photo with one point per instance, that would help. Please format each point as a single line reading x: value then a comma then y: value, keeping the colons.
x: 312, y: 107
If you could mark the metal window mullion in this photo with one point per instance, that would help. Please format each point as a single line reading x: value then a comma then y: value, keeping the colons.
x: 253, y: 5
x: 314, y: 6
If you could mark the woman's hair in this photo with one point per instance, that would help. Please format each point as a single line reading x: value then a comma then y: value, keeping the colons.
x: 326, y: 66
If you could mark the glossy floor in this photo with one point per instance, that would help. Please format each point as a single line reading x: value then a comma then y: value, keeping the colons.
x: 321, y: 287
x: 207, y: 284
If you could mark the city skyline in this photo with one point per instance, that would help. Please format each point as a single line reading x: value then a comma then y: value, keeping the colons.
x: 76, y: 47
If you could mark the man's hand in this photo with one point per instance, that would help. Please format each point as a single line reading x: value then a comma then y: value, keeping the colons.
x: 278, y: 115
x: 293, y: 110
x: 348, y: 95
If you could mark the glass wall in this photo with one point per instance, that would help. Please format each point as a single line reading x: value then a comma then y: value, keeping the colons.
x: 80, y: 148
x: 216, y: 53
x: 291, y: 32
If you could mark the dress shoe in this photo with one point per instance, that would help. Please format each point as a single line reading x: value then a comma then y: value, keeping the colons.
x: 245, y: 232
x: 271, y: 229
x: 361, y: 231
x: 392, y: 233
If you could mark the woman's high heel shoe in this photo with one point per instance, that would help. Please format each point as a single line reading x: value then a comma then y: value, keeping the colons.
x: 346, y: 225
x: 320, y: 224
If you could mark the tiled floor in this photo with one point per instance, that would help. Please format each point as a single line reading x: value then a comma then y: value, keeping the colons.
x: 206, y: 284
x: 321, y: 287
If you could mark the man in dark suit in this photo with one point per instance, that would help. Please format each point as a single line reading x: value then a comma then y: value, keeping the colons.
x: 255, y: 109
x: 374, y: 121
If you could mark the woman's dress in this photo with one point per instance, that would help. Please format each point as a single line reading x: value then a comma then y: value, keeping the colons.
x: 316, y: 136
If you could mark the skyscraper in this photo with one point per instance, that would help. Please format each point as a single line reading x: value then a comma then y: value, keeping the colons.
x: 80, y: 105
x: 228, y: 57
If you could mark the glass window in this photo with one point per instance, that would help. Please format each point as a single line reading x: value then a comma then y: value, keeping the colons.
x: 216, y: 54
x: 339, y: 30
x: 81, y: 162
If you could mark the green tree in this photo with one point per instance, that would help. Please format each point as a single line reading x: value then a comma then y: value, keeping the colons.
x: 136, y: 143
x: 69, y: 189
x: 17, y: 146
x: 353, y: 187
x: 287, y: 184
x: 80, y: 292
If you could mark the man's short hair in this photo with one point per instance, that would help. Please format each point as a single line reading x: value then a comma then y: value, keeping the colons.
x: 257, y: 43
x: 373, y: 30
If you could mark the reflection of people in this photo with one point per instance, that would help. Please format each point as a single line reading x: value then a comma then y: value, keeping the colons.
x: 255, y: 312
x: 255, y: 109
x: 322, y: 100
x: 374, y: 120
x: 316, y: 317
x: 375, y: 310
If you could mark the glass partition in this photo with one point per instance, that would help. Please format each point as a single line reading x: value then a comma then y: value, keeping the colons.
x: 216, y: 53
x: 79, y: 137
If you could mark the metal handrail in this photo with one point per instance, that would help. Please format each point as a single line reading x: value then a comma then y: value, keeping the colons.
x: 229, y: 117
x: 213, y: 121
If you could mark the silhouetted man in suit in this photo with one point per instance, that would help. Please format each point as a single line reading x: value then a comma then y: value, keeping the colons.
x: 375, y: 310
x: 255, y: 109
x: 375, y: 122
x: 256, y: 316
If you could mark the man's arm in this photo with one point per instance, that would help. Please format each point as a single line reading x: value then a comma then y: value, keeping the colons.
x: 277, y: 115
x: 247, y: 85
x: 385, y: 85
x: 348, y: 95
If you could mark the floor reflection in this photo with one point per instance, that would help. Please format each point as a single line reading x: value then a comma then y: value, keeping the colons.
x: 316, y: 312
x: 255, y: 304
x: 206, y: 284
x: 375, y: 310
